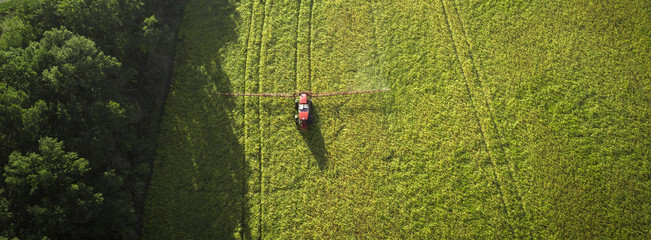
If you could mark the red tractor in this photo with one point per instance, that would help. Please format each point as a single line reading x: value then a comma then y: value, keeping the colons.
x: 303, y: 106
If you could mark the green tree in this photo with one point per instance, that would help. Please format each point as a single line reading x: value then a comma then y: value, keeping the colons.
x: 15, y: 33
x: 69, y: 73
x: 92, y: 74
x: 70, y: 84
x: 10, y: 119
x: 112, y: 24
x: 48, y: 194
x: 64, y: 86
x: 18, y: 124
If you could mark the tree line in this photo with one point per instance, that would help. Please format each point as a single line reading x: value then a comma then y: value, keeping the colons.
x: 81, y: 91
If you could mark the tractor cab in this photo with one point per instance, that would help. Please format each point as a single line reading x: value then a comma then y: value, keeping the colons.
x: 303, y: 105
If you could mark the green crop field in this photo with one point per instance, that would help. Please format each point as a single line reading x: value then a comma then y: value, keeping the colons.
x: 505, y: 119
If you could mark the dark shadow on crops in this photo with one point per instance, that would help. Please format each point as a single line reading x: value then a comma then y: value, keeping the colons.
x: 206, y: 197
x: 314, y: 139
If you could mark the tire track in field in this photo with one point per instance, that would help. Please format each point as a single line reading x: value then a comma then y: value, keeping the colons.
x: 309, y: 48
x: 499, y: 145
x: 298, y: 28
x: 254, y: 60
x: 260, y: 142
x: 478, y: 100
x: 247, y: 54
x: 304, y: 45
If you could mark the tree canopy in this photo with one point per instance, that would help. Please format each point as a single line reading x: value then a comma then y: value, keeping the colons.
x: 49, y: 194
x: 80, y: 92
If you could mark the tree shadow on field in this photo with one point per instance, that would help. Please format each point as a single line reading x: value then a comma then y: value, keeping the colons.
x: 314, y: 140
x: 203, y: 193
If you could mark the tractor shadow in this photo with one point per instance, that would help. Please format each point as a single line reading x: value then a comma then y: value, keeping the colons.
x: 313, y: 137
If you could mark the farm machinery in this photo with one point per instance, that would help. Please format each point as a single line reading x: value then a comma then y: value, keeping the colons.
x: 303, y: 105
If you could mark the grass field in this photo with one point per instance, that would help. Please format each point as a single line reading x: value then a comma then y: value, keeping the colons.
x: 506, y: 119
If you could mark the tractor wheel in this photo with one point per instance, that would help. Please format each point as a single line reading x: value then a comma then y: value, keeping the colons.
x: 296, y: 119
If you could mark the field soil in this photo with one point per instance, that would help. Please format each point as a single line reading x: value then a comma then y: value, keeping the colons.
x: 505, y: 119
